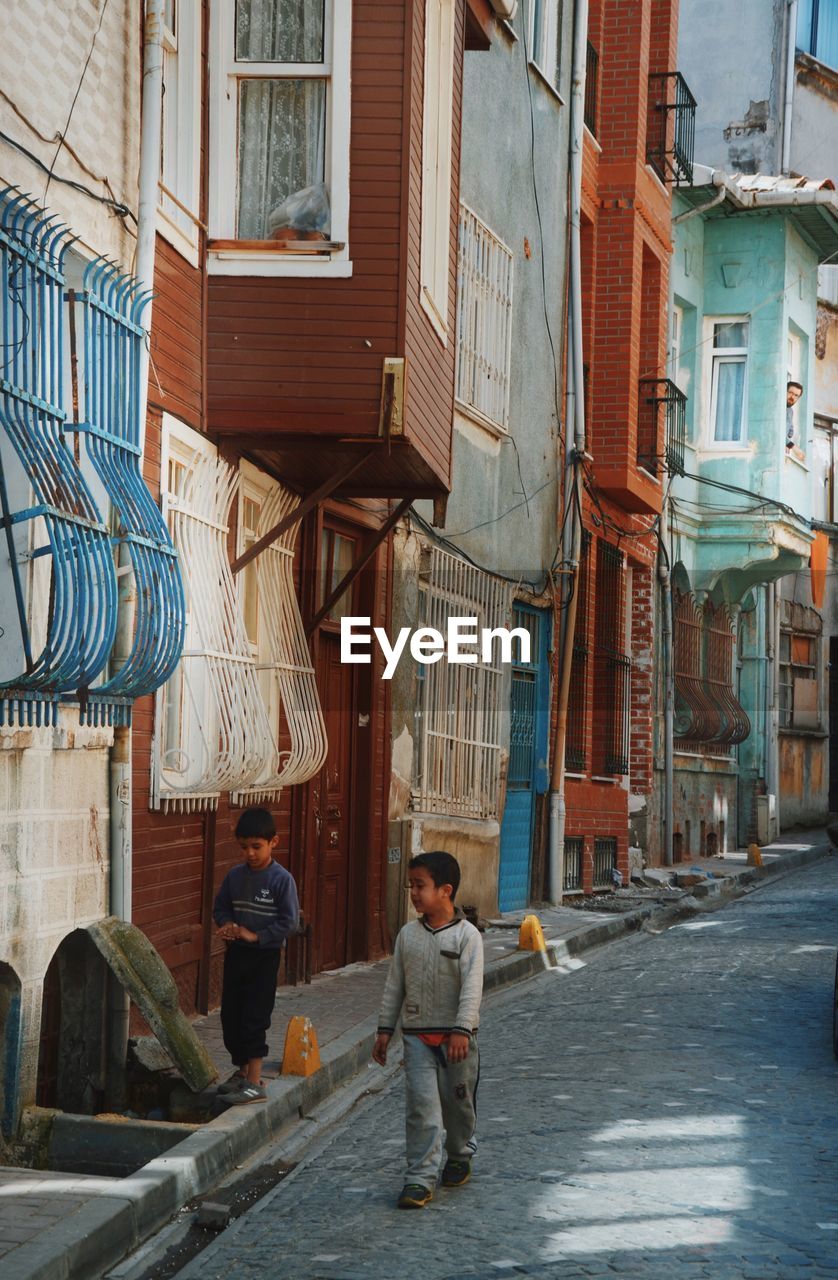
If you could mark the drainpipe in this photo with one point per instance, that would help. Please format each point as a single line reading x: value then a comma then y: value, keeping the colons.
x: 771, y: 710
x: 718, y: 181
x: 665, y: 579
x: 120, y: 755
x: 575, y: 423
x: 791, y: 45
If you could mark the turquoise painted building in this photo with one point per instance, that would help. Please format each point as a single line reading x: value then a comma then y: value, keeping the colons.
x: 746, y: 250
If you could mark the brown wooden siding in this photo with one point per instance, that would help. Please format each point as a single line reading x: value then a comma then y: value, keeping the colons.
x: 176, y: 336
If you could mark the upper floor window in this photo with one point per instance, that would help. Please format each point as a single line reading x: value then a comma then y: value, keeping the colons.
x: 817, y: 30
x: 437, y: 128
x: 280, y: 136
x: 484, y: 320
x: 728, y: 381
x: 543, y: 38
x: 180, y: 150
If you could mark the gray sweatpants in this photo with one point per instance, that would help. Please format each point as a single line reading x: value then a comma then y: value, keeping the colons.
x: 438, y: 1097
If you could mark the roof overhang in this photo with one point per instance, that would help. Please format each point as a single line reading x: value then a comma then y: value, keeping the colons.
x: 811, y: 204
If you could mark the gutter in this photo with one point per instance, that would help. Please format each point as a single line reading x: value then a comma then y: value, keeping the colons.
x: 575, y: 415
x: 120, y: 806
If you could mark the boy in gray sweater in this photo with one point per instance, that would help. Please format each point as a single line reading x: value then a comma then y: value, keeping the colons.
x: 436, y: 983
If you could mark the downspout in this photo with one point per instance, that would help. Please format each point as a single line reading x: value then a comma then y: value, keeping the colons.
x: 665, y: 578
x: 788, y: 104
x: 575, y: 415
x: 120, y: 833
x: 718, y: 181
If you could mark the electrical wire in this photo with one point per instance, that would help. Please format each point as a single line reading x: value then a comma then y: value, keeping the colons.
x: 120, y: 209
x: 63, y: 132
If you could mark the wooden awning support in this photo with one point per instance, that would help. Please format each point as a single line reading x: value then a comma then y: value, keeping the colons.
x: 318, y: 495
x: 359, y: 565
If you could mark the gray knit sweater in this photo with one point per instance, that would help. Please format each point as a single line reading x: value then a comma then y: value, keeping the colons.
x: 435, y: 979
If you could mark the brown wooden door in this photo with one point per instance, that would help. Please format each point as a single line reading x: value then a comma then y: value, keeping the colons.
x: 333, y: 803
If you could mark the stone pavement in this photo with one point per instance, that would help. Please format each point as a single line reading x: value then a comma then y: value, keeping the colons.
x: 94, y: 1222
x: 668, y: 1111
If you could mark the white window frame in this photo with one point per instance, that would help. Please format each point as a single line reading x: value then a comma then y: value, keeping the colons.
x: 225, y: 73
x: 181, y: 139
x: 791, y: 674
x: 544, y: 57
x: 716, y: 357
x: 437, y: 157
x: 484, y: 321
x: 795, y: 348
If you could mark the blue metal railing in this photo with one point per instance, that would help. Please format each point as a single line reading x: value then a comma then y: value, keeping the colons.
x: 40, y: 481
x: 59, y: 644
x: 111, y: 305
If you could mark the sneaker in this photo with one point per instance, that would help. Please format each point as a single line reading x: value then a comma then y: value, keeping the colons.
x: 233, y: 1084
x: 246, y: 1093
x: 414, y: 1196
x: 456, y: 1173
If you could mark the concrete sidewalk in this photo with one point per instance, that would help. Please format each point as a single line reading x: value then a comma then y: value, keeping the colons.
x: 60, y: 1227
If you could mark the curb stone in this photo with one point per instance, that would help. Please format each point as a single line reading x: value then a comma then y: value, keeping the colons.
x: 103, y: 1231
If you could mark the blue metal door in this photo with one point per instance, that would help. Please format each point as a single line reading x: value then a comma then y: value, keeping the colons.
x: 527, y: 759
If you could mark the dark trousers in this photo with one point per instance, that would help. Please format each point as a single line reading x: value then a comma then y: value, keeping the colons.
x: 247, y: 1000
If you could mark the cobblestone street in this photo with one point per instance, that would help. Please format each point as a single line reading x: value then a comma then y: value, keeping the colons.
x: 668, y: 1110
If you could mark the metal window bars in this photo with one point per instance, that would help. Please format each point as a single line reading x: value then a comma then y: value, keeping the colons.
x: 286, y: 663
x: 661, y: 395
x: 484, y: 319
x: 110, y: 306
x: 60, y: 568
x: 591, y: 89
x: 670, y: 127
x: 573, y: 850
x: 708, y: 715
x: 459, y: 712
x: 605, y: 861
x: 576, y: 756
x: 612, y: 685
x: 213, y: 732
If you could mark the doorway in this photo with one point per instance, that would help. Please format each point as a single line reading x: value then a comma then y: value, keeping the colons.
x: 527, y: 776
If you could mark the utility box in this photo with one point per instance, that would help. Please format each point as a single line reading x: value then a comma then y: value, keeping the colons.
x: 766, y: 819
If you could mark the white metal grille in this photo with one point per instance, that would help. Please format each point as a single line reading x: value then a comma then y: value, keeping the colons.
x: 285, y: 661
x: 212, y: 728
x: 484, y: 319
x: 459, y: 713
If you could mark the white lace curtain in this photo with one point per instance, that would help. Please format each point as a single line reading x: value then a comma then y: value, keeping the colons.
x: 282, y: 121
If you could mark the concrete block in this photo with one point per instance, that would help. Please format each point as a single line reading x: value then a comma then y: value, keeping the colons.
x: 213, y: 1215
x: 114, y: 1148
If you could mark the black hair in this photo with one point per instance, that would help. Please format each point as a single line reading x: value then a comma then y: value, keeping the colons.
x: 443, y: 868
x: 793, y: 383
x: 255, y: 824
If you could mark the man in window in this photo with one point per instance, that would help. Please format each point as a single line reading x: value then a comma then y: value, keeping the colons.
x: 794, y: 390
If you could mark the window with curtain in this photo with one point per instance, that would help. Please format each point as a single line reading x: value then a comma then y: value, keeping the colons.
x: 817, y: 30
x: 180, y: 149
x: 542, y: 37
x: 728, y: 381
x: 280, y: 122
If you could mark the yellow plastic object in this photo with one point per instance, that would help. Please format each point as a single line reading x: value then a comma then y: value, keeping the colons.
x: 531, y: 935
x: 754, y: 856
x: 301, y: 1056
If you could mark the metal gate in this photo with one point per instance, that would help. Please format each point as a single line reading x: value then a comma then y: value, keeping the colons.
x: 527, y: 776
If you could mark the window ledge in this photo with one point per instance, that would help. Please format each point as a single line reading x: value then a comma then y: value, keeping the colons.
x: 180, y: 240
x: 273, y: 262
x: 546, y: 82
x: 592, y: 138
x: 480, y: 419
x: 792, y: 732
x: 791, y: 456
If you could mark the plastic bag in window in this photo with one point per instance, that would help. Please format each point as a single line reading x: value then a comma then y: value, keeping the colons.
x: 305, y: 215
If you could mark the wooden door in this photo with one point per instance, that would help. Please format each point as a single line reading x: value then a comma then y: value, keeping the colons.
x: 332, y: 794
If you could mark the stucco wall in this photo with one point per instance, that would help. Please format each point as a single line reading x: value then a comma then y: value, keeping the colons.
x: 53, y: 856
x: 739, y: 98
x: 42, y: 61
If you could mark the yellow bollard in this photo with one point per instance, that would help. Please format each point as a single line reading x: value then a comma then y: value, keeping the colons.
x: 754, y: 856
x: 531, y: 935
x: 301, y: 1056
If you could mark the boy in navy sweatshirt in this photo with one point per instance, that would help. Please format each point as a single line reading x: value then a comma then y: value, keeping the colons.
x: 256, y: 909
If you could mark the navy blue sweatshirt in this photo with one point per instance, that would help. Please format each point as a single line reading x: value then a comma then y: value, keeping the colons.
x: 263, y: 901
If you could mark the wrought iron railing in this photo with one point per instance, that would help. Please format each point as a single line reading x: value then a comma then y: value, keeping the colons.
x: 605, y: 860
x: 618, y: 684
x: 572, y: 877
x: 670, y: 127
x: 577, y: 705
x: 591, y: 89
x: 661, y: 396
